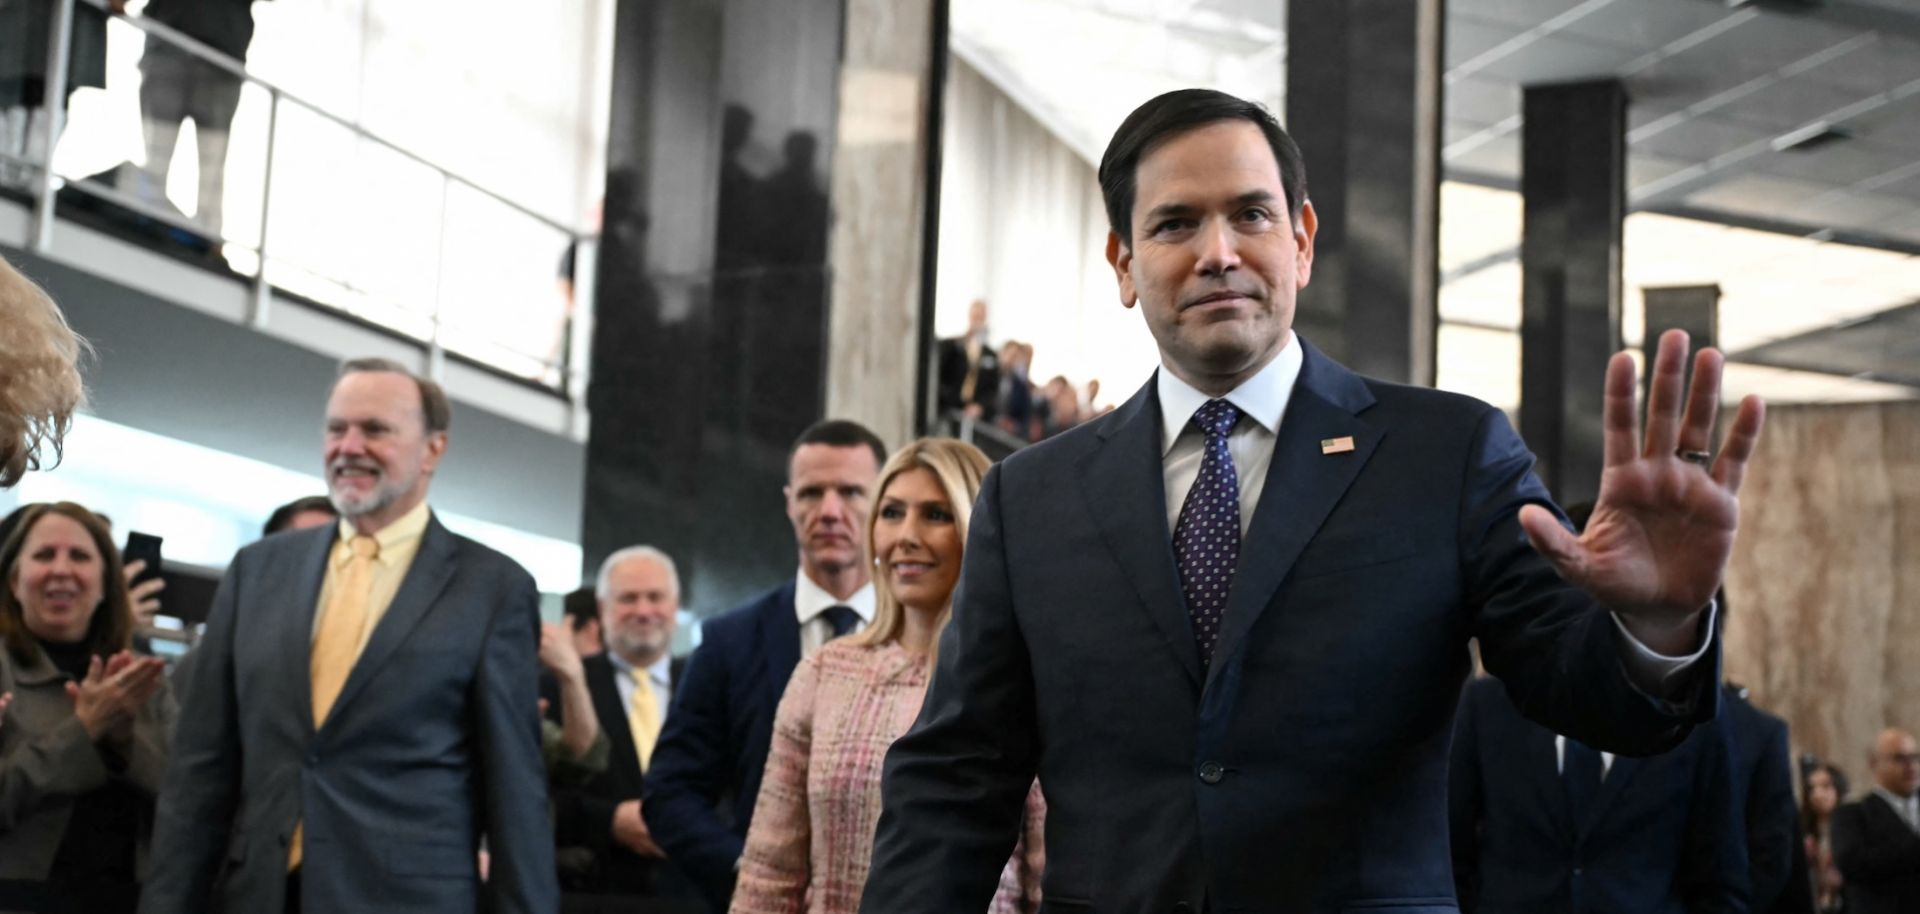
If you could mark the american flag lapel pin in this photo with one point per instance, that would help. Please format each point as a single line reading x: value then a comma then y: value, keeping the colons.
x: 1340, y: 445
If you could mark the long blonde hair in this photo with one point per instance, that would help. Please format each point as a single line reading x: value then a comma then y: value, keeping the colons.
x: 959, y: 466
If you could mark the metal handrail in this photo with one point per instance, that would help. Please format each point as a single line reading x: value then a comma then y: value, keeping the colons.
x: 571, y: 365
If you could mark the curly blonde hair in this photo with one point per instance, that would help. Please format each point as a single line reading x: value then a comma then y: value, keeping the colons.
x: 39, y: 376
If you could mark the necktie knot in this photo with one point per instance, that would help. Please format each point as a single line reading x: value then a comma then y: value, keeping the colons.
x: 1216, y: 418
x: 364, y: 547
x: 842, y: 618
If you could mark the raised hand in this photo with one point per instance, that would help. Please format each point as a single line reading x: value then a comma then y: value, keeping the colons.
x: 113, y: 692
x: 1663, y: 525
x: 144, y: 596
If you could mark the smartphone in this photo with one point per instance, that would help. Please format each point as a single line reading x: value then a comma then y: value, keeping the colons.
x: 144, y: 547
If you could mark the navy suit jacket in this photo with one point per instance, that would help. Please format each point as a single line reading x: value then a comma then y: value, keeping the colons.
x: 1763, y: 776
x: 1665, y: 835
x: 1305, y: 768
x: 433, y: 742
x: 706, y: 769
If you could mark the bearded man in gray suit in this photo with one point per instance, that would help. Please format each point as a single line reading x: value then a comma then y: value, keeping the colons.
x: 363, y: 708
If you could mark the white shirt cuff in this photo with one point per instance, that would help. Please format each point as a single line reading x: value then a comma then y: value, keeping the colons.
x: 1654, y: 673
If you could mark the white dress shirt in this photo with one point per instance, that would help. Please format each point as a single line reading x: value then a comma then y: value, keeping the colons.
x: 660, y: 671
x: 1262, y: 401
x: 1907, y: 808
x: 810, y: 600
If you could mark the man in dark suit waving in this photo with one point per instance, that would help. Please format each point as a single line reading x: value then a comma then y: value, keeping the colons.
x: 363, y: 707
x: 1226, y: 624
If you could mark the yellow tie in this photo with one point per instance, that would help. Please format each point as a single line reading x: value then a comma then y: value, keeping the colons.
x: 644, y: 717
x: 336, y: 645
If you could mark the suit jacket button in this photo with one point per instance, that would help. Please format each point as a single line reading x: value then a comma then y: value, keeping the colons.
x: 1211, y: 772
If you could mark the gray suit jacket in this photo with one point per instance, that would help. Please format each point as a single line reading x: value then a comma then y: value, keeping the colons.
x: 433, y: 742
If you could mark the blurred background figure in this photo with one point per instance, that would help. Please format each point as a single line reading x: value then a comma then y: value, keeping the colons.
x: 811, y: 842
x: 176, y: 85
x: 970, y: 370
x: 301, y: 514
x: 39, y: 379
x: 1876, y: 840
x: 84, y: 740
x: 582, y: 616
x: 24, y: 28
x: 1823, y: 789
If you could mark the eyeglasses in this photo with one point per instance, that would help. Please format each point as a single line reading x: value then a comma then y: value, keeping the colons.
x: 1903, y: 758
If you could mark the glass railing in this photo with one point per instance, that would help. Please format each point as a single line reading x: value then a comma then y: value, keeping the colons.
x: 302, y: 201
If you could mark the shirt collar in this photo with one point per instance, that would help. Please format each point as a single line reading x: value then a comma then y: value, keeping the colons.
x: 660, y: 671
x: 810, y: 599
x: 1262, y: 398
x: 411, y: 526
x: 1898, y: 801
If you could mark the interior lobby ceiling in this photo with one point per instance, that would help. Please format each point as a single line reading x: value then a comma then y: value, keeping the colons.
x: 1797, y: 118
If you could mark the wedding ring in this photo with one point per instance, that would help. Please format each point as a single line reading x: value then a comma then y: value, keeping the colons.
x: 1701, y: 459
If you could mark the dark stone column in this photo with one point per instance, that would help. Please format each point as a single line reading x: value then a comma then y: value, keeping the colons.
x: 1573, y: 184
x: 709, y: 347
x: 1695, y: 309
x: 1363, y: 101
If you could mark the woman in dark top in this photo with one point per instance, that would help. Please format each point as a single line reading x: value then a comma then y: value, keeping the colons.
x: 83, y: 744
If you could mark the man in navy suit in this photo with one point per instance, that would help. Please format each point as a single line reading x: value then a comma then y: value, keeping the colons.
x: 1543, y: 823
x: 705, y: 773
x: 1226, y: 624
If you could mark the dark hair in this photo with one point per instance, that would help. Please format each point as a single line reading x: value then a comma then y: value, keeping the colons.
x: 840, y: 433
x: 284, y: 515
x: 111, y: 629
x: 1165, y: 116
x: 580, y: 607
x: 435, y: 410
x: 1809, y: 821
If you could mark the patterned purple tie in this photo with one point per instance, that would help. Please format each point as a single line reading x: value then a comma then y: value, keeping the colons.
x: 1206, y: 540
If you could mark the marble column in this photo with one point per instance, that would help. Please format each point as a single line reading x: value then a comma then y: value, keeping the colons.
x: 885, y: 182
x: 1573, y: 189
x: 1363, y: 101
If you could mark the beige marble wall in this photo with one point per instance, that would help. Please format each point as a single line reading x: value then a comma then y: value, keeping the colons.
x: 1824, y: 585
x: 878, y: 192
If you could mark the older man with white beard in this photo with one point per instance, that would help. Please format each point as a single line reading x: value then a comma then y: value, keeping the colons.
x: 631, y: 682
x: 363, y: 706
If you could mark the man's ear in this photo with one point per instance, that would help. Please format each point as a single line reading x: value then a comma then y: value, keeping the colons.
x: 1304, y: 229
x: 1120, y: 256
x: 436, y: 449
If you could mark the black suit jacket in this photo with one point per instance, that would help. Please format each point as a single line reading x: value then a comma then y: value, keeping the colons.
x: 583, y: 816
x: 1879, y: 855
x: 1763, y: 772
x: 1665, y: 834
x: 953, y: 378
x: 433, y: 742
x: 713, y: 749
x: 1305, y: 768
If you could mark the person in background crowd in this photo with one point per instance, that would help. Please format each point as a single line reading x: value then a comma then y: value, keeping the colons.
x: 1062, y: 406
x: 970, y: 370
x: 1876, y: 841
x: 84, y: 743
x: 24, y: 29
x: 1763, y: 781
x: 364, y: 706
x: 629, y: 687
x: 571, y: 740
x: 1822, y: 789
x: 301, y: 514
x: 582, y: 611
x: 39, y: 374
x: 175, y: 85
x: 1017, y: 412
x: 713, y: 750
x: 812, y: 836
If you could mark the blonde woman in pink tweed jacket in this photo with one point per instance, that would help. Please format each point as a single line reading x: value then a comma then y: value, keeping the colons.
x: 812, y: 835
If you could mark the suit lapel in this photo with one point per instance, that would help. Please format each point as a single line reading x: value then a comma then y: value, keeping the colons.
x: 1621, y: 772
x: 1124, y: 485
x: 431, y: 570
x: 293, y: 643
x: 780, y: 638
x: 1303, y: 485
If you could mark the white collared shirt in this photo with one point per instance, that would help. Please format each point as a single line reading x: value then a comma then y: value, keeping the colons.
x: 810, y: 600
x: 660, y: 671
x: 1262, y: 401
x: 1560, y: 758
x: 1907, y: 808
